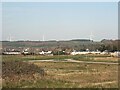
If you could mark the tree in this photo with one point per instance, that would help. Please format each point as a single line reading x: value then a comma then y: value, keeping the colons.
x: 102, y: 48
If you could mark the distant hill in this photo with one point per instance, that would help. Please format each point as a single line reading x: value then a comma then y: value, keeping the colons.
x: 82, y: 40
x: 78, y: 44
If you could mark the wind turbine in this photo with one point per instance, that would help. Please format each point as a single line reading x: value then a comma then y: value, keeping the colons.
x: 91, y: 36
x: 43, y: 38
x: 10, y: 39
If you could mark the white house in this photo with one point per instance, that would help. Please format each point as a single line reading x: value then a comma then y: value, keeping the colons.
x: 12, y: 53
x: 104, y: 52
x: 95, y: 52
x: 25, y: 52
x: 85, y: 52
x: 115, y: 54
x: 80, y: 53
x: 45, y: 53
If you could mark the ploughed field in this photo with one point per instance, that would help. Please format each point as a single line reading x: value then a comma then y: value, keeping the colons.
x: 50, y: 74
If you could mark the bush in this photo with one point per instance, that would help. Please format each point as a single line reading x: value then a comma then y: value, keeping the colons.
x: 18, y: 68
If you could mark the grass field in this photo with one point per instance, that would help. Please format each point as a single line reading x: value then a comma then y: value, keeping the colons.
x: 81, y: 75
x: 68, y: 74
x: 105, y: 58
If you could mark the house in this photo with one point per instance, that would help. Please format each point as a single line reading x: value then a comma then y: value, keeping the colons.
x: 95, y: 52
x: 79, y: 52
x: 25, y: 53
x: 11, y: 53
x: 104, y: 52
x: 115, y: 54
x: 85, y: 52
x: 45, y: 53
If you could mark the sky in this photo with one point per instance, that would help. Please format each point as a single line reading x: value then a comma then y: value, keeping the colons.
x: 59, y: 20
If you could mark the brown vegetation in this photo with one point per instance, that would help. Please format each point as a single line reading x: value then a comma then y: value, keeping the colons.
x: 16, y: 71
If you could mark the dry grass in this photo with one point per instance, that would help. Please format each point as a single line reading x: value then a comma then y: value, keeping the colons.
x: 66, y: 74
x: 82, y: 75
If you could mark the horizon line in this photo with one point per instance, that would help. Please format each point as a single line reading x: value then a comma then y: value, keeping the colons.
x: 59, y: 40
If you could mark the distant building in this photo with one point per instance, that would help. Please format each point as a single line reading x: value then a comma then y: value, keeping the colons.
x: 25, y: 53
x: 115, y: 54
x: 85, y: 52
x: 95, y: 52
x: 12, y: 53
x: 79, y: 53
x: 45, y: 53
x: 104, y: 52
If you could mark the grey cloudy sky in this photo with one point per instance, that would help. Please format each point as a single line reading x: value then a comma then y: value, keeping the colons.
x: 60, y: 20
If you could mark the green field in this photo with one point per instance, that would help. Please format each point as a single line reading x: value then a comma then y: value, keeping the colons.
x: 65, y: 74
x: 105, y: 58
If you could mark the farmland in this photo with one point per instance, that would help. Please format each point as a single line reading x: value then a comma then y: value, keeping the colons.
x: 60, y: 73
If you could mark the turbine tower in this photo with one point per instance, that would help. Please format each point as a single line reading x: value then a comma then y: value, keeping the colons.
x: 91, y: 36
x: 43, y: 38
x: 10, y: 38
